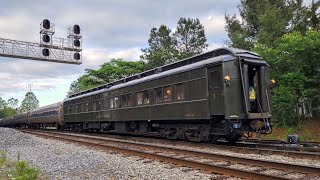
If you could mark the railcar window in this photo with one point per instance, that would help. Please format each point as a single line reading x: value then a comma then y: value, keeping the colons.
x: 180, y: 92
x: 146, y: 99
x: 86, y: 109
x: 167, y: 93
x: 130, y: 99
x: 94, y: 105
x: 116, y: 102
x: 77, y: 108
x: 111, y: 103
x: 123, y: 101
x: 139, y: 98
x: 216, y: 79
x: 159, y: 95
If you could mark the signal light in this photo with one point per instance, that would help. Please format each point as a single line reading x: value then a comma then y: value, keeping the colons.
x: 76, y: 56
x: 76, y: 42
x: 76, y: 29
x: 45, y: 52
x: 46, y: 38
x: 46, y: 24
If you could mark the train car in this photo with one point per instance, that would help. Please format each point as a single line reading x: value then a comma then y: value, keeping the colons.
x: 20, y: 120
x: 7, y: 122
x: 223, y: 93
x: 47, y: 116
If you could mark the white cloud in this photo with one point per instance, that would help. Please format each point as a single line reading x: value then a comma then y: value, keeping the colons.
x: 214, y: 25
x: 111, y: 29
x: 94, y: 57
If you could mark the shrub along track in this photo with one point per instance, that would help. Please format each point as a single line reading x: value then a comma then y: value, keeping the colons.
x: 208, y: 162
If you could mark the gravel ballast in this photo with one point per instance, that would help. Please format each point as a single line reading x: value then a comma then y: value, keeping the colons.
x: 61, y: 160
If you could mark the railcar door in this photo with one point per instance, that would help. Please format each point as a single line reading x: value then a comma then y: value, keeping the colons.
x: 215, y: 88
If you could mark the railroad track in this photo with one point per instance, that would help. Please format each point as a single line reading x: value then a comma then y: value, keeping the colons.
x: 209, y: 162
x: 306, y: 146
x: 263, y: 148
x: 272, y: 141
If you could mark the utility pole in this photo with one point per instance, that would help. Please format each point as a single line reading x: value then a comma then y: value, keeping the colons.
x: 30, y: 86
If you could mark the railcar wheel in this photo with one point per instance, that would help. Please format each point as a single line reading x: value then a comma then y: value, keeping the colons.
x: 171, y: 133
x: 194, y: 136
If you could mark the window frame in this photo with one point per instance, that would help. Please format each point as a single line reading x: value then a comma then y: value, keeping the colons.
x: 116, y: 102
x: 138, y: 96
x: 181, y: 88
x: 111, y: 103
x: 146, y: 97
x: 157, y: 98
x: 122, y: 102
x: 130, y: 99
x: 164, y: 94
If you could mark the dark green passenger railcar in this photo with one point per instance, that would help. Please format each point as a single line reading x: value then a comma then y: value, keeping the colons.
x: 221, y: 93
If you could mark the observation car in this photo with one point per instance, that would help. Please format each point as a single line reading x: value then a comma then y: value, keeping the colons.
x: 224, y: 93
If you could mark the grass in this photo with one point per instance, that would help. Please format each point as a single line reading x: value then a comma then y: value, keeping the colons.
x: 19, y: 170
x: 308, y: 130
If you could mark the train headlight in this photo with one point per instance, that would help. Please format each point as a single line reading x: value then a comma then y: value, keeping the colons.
x: 227, y: 78
x: 273, y: 83
x: 236, y: 125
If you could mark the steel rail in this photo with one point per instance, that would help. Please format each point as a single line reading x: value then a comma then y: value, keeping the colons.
x: 313, y: 171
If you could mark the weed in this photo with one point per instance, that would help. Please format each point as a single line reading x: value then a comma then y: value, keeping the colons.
x: 3, y: 157
x: 22, y: 171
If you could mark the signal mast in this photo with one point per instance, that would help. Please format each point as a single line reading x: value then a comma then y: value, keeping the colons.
x: 51, y: 49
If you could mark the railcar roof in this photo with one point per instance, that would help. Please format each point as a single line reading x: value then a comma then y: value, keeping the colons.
x: 46, y: 107
x: 234, y: 52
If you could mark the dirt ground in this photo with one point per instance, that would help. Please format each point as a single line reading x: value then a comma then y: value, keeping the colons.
x: 309, y: 131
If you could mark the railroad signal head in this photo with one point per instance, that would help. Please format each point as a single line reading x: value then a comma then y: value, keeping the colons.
x: 76, y: 29
x: 46, y: 24
x: 76, y: 56
x: 46, y: 38
x: 76, y: 43
x: 45, y: 52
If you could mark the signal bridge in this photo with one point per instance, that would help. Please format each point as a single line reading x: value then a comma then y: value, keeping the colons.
x: 49, y: 49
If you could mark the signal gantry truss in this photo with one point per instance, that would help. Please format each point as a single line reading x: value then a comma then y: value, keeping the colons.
x: 49, y: 49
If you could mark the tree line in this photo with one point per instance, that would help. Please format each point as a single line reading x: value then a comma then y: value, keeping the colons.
x: 11, y: 106
x: 284, y: 32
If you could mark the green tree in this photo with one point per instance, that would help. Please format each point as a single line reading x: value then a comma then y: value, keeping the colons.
x: 166, y: 46
x: 266, y: 22
x: 5, y: 109
x: 295, y: 63
x: 190, y: 37
x: 13, y: 103
x: 162, y: 48
x: 108, y: 72
x: 30, y: 102
x: 3, y: 103
x: 314, y: 15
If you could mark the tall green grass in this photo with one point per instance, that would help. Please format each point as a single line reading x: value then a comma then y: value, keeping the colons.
x: 19, y: 170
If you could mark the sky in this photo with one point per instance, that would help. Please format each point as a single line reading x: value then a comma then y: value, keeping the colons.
x: 110, y: 29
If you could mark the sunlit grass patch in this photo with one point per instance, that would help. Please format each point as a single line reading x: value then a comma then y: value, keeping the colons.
x: 19, y: 170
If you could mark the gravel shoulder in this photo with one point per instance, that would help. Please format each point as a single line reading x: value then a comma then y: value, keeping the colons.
x: 60, y: 160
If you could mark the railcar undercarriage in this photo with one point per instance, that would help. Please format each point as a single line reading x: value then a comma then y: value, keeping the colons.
x: 195, y: 131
